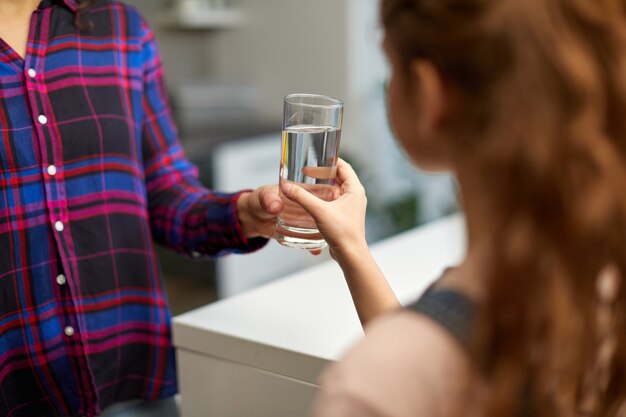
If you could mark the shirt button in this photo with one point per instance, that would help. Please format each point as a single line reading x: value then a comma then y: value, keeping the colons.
x: 61, y: 279
x: 32, y: 73
x: 42, y: 119
x: 59, y: 226
x: 196, y: 254
x: 52, y: 170
x: 69, y: 331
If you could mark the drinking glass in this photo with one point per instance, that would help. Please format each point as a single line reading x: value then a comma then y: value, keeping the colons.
x: 310, y: 148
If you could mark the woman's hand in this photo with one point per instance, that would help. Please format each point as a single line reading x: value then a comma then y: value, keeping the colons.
x: 341, y: 221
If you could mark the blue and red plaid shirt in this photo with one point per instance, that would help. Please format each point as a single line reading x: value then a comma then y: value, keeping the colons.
x: 91, y: 173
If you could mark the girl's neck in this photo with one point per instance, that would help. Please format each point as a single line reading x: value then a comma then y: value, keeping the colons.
x: 468, y: 276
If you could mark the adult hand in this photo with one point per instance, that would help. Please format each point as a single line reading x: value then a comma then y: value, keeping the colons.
x: 341, y: 221
x: 257, y: 211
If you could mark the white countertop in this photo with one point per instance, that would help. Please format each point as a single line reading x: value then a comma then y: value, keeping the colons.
x: 295, y: 325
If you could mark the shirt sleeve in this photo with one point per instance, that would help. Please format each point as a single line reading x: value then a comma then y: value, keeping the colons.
x: 184, y: 215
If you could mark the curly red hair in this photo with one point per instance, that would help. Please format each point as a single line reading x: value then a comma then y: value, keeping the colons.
x: 542, y: 94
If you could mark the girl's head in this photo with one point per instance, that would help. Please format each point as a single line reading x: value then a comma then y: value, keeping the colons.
x: 504, y: 66
x: 528, y: 98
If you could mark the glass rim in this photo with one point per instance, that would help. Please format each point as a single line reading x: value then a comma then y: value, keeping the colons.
x: 333, y: 102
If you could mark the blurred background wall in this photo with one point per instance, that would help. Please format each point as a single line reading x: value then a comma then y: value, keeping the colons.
x: 228, y: 66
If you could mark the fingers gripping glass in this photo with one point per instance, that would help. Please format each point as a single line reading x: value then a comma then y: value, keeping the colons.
x: 310, y: 148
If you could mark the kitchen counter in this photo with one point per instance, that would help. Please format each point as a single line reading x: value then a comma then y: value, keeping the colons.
x: 260, y: 353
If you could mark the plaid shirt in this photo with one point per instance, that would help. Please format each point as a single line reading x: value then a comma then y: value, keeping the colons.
x: 91, y: 172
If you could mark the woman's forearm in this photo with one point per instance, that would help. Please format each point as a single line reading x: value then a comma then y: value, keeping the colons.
x: 371, y: 293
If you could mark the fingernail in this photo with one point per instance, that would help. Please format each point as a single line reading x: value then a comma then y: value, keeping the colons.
x: 287, y: 188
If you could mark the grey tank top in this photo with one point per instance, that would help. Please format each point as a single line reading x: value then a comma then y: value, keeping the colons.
x: 456, y: 313
x: 450, y: 309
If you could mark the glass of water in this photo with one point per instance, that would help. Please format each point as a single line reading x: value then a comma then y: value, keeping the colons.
x: 310, y: 148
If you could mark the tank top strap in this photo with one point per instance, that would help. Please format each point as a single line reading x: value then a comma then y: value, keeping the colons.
x: 450, y: 309
x: 456, y: 313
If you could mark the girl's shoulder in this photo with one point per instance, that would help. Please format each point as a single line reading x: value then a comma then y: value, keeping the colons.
x: 406, y: 365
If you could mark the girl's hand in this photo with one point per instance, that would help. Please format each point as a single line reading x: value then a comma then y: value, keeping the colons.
x: 341, y: 221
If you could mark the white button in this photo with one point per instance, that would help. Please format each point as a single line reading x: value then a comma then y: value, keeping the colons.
x: 61, y: 279
x: 59, y: 226
x: 32, y: 73
x: 69, y: 331
x: 42, y: 119
x: 52, y: 170
x: 196, y: 254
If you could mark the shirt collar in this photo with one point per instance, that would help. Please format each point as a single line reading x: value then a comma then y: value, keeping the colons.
x: 71, y: 4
